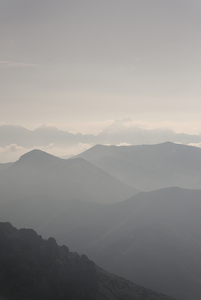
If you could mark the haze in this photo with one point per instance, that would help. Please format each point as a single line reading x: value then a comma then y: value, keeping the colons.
x: 81, y: 64
x: 99, y: 119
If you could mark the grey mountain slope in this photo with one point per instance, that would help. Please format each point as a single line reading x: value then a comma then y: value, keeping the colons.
x: 34, y: 162
x: 77, y: 178
x: 133, y: 174
x: 153, y: 238
x: 45, y: 174
x: 149, y: 167
x: 175, y: 206
x: 17, y: 180
x: 49, y: 215
x: 4, y: 166
x: 159, y: 257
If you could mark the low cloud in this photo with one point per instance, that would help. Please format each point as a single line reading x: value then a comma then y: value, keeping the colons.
x: 66, y: 151
x: 195, y: 145
x: 124, y: 144
x: 11, y: 153
x: 11, y: 64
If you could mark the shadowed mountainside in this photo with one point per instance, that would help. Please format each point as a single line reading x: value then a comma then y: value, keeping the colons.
x: 33, y: 268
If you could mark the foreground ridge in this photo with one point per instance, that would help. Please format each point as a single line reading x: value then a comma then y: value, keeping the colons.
x: 33, y: 268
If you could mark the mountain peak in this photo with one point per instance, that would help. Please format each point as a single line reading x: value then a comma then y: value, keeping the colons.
x: 37, y: 158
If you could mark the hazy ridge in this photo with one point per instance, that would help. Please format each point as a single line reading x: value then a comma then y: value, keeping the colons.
x: 116, y: 133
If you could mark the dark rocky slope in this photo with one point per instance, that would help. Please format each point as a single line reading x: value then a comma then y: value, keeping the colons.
x: 33, y: 268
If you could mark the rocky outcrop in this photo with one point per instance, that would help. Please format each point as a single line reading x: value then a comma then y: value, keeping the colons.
x: 32, y: 268
x: 40, y: 269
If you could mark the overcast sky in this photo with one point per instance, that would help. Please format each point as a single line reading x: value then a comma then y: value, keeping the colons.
x: 80, y: 61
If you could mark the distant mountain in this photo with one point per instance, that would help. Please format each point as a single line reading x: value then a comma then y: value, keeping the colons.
x: 121, y: 131
x: 149, y: 167
x: 33, y: 268
x: 17, y: 180
x: 40, y: 173
x: 41, y: 136
x: 34, y: 161
x: 10, y: 134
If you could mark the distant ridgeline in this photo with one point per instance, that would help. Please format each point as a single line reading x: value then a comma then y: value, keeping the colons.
x: 114, y: 134
x: 32, y: 268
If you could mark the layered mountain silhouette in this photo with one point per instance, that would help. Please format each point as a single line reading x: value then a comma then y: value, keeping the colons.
x: 149, y: 167
x: 33, y: 268
x: 152, y: 238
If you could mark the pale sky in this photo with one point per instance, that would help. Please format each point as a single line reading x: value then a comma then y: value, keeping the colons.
x: 77, y: 61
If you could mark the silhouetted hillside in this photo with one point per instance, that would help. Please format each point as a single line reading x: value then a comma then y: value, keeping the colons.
x: 33, y: 268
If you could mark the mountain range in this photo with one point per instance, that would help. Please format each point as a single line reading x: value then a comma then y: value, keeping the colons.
x: 117, y: 133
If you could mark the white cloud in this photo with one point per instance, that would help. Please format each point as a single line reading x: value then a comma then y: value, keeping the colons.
x: 124, y: 144
x: 11, y: 153
x: 195, y: 144
x: 178, y: 127
x: 67, y: 151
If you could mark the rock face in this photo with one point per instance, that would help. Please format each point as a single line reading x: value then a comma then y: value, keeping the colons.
x: 32, y: 268
x: 39, y: 269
